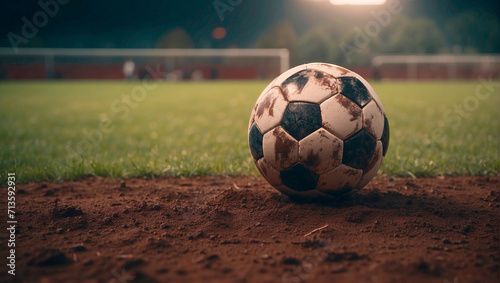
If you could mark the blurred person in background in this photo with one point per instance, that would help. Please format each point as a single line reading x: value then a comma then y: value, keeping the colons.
x: 128, y: 69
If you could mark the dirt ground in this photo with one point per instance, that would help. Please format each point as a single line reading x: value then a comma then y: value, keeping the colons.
x: 222, y: 229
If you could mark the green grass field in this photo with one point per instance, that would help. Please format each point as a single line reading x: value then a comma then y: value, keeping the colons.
x: 187, y: 129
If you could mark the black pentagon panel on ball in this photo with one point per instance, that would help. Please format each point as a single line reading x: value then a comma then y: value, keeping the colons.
x: 299, y: 178
x: 355, y: 90
x: 358, y: 150
x: 255, y: 141
x: 385, y: 136
x: 300, y: 79
x: 301, y: 119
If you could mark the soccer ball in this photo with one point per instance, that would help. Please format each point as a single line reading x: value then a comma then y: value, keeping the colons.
x: 318, y: 130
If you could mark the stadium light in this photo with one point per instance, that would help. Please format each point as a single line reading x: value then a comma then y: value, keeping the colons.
x: 358, y: 2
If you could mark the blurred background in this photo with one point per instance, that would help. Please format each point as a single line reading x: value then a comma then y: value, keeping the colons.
x: 378, y: 39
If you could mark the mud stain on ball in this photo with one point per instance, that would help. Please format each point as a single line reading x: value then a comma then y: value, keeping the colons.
x: 312, y: 159
x: 368, y: 124
x: 299, y: 79
x: 283, y: 146
x: 266, y: 105
x: 337, y: 152
x: 331, y: 83
x: 352, y: 108
x: 351, y: 172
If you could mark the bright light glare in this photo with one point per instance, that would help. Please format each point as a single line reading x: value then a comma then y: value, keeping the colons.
x: 358, y: 2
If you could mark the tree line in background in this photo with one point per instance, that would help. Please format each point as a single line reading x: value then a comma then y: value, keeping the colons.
x: 339, y: 42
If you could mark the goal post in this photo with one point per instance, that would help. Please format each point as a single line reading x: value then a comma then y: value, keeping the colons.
x: 56, y: 62
x: 443, y: 66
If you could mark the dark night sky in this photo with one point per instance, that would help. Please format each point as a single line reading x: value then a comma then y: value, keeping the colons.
x: 138, y: 24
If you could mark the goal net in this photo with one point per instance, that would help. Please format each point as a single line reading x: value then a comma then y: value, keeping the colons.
x: 168, y: 64
x: 445, y: 67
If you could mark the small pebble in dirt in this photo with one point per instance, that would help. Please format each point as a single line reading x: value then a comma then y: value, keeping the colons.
x: 164, y: 225
x: 59, y: 231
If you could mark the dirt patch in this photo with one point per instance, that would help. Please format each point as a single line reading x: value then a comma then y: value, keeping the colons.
x: 221, y: 229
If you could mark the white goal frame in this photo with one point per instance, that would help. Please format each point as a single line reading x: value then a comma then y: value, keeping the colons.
x: 50, y: 53
x: 452, y: 61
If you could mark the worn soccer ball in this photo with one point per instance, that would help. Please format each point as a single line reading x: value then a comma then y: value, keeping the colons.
x: 318, y: 130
